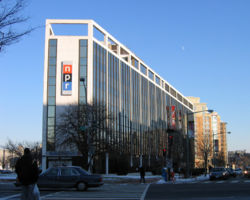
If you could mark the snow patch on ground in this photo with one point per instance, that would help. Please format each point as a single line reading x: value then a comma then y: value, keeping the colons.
x: 185, y: 180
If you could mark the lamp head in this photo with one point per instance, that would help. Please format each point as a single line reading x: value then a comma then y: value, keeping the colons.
x: 82, y: 79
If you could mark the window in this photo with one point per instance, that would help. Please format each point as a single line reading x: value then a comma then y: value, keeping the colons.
x: 112, y: 45
x: 143, y: 69
x: 179, y: 97
x: 74, y: 172
x: 166, y: 87
x: 52, y: 172
x: 69, y: 172
x: 157, y: 80
x: 150, y: 75
x: 134, y: 62
x: 173, y: 92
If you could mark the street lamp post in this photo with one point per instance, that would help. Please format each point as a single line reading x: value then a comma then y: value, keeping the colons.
x: 187, y: 139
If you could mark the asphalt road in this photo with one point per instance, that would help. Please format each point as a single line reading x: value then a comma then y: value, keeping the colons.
x: 232, y: 189
x: 130, y: 191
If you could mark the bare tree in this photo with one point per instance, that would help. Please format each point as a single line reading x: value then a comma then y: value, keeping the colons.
x: 205, y: 148
x: 16, y: 149
x: 10, y: 17
x: 84, y: 128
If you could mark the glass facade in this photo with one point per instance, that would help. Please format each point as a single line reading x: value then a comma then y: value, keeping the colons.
x: 83, y: 49
x: 138, y: 106
x: 51, y: 96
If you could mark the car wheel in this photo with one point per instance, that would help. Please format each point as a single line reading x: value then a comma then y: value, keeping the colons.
x: 81, y: 186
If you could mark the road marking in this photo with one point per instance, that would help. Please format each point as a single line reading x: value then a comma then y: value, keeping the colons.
x: 145, y: 192
x: 192, y: 182
x: 235, y: 181
x: 49, y: 195
x: 220, y: 182
x: 10, y: 197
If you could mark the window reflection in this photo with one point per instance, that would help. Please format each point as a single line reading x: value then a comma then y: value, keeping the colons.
x: 51, y: 111
x: 52, y: 91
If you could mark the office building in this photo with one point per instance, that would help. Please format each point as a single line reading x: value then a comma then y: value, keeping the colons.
x: 94, y: 67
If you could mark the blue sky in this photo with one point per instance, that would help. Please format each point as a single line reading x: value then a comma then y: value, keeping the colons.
x: 202, y: 48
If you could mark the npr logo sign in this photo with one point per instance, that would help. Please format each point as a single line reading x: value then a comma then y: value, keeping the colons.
x: 66, y: 79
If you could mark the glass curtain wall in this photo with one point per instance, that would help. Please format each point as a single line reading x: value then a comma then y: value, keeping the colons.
x: 135, y: 112
x: 144, y: 117
x: 141, y: 110
x: 99, y: 84
x: 125, y: 115
x: 51, y: 112
x: 83, y: 49
x: 113, y: 101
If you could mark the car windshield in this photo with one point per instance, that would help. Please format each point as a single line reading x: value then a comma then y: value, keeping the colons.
x: 52, y: 171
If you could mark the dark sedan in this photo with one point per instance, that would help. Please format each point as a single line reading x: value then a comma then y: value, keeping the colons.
x: 68, y: 177
x: 219, y: 173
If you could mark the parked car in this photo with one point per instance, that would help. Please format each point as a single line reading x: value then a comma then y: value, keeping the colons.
x: 238, y: 171
x: 231, y: 172
x: 68, y: 177
x: 247, y: 172
x: 6, y: 171
x: 219, y: 173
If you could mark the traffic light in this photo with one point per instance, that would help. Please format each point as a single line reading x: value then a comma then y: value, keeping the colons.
x: 170, y: 140
x: 164, y: 151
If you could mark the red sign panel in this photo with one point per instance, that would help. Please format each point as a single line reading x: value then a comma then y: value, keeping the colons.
x: 67, y: 69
